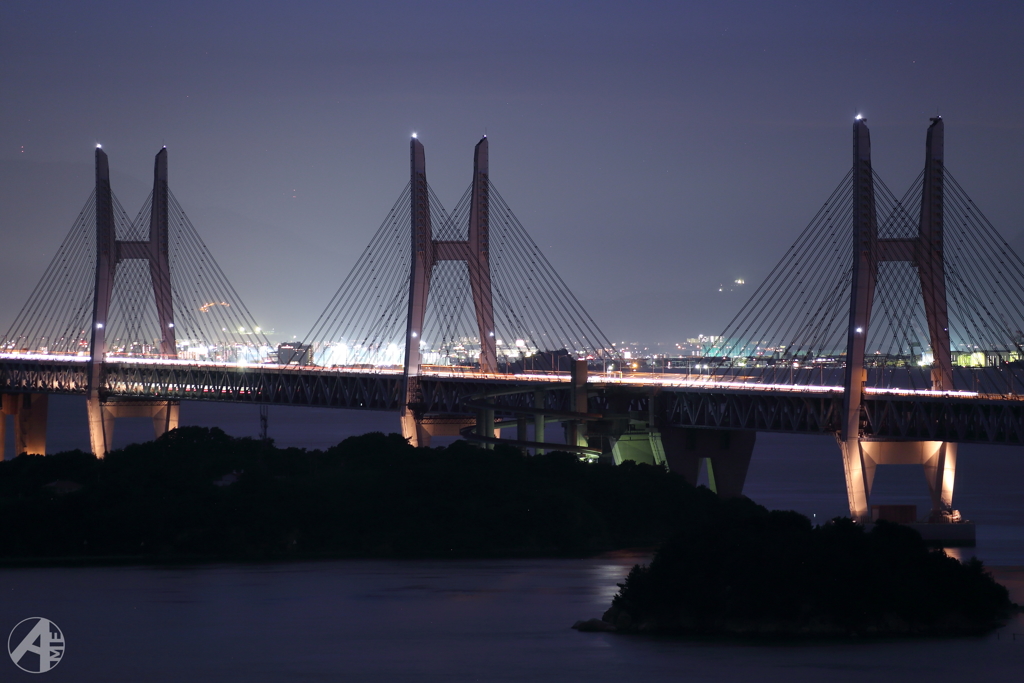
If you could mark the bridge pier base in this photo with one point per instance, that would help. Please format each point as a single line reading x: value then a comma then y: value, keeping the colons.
x: 102, y: 415
x: 420, y: 430
x: 862, y: 458
x: 29, y: 412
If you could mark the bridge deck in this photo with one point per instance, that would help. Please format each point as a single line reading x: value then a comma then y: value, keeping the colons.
x: 683, y: 400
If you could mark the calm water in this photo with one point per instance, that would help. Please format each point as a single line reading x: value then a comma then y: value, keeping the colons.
x: 475, y: 621
x: 420, y: 621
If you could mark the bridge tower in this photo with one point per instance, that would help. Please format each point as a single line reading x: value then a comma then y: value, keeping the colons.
x: 426, y: 252
x: 925, y: 251
x: 109, y: 252
x: 29, y: 412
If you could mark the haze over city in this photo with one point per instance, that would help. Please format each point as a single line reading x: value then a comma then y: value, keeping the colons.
x: 656, y: 152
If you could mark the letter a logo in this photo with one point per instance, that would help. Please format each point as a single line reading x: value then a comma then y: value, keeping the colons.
x: 36, y: 645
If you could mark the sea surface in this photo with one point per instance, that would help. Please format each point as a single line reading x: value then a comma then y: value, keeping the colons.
x: 478, y: 620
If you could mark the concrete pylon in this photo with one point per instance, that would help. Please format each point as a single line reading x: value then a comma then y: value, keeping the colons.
x: 478, y: 257
x: 109, y: 252
x: 930, y: 259
x: 865, y: 272
x: 29, y: 412
x: 426, y: 252
x: 925, y: 252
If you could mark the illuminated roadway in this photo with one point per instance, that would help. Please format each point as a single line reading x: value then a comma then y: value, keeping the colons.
x: 683, y: 400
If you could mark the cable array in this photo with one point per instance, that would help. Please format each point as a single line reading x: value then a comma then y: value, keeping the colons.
x: 211, y: 321
x: 794, y: 329
x: 535, y: 313
x: 57, y: 317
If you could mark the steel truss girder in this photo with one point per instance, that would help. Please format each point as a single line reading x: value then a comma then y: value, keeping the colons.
x: 889, y: 418
x: 446, y: 395
x: 370, y: 391
x: 43, y: 377
x: 760, y: 411
x: 958, y: 420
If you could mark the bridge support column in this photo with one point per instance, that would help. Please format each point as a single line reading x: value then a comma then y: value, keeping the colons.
x: 860, y: 474
x: 485, y: 425
x: 29, y: 412
x: 411, y: 428
x: 681, y: 455
x: 726, y: 451
x: 576, y: 432
x: 414, y: 430
x: 539, y: 423
x: 425, y: 427
x: 862, y: 458
x: 102, y: 415
x: 940, y: 471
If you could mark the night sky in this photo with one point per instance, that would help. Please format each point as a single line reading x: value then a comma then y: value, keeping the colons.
x: 655, y: 150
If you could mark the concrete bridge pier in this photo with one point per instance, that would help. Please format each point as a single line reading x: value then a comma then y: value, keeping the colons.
x: 412, y: 428
x: 102, y: 415
x: 29, y: 412
x: 576, y: 430
x: 725, y: 452
x: 861, y: 458
x: 539, y: 421
x: 420, y: 429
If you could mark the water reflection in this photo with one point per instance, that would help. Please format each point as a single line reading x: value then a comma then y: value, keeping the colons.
x: 420, y: 621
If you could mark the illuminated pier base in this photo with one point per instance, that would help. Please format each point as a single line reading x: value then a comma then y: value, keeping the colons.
x: 861, y: 459
x: 420, y: 430
x: 29, y: 412
x: 102, y: 416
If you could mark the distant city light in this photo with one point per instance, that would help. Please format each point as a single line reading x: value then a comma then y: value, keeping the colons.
x: 414, y: 135
x: 99, y: 146
x: 858, y: 117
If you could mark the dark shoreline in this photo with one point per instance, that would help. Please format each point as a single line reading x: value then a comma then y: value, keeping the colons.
x: 745, y: 572
x: 200, y: 496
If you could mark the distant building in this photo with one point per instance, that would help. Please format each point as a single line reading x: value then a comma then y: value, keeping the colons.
x: 294, y: 353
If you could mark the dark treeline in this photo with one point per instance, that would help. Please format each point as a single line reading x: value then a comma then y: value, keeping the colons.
x: 370, y: 496
x: 727, y: 568
x: 738, y: 569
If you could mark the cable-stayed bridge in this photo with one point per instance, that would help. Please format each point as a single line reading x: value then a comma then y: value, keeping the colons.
x: 893, y: 323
